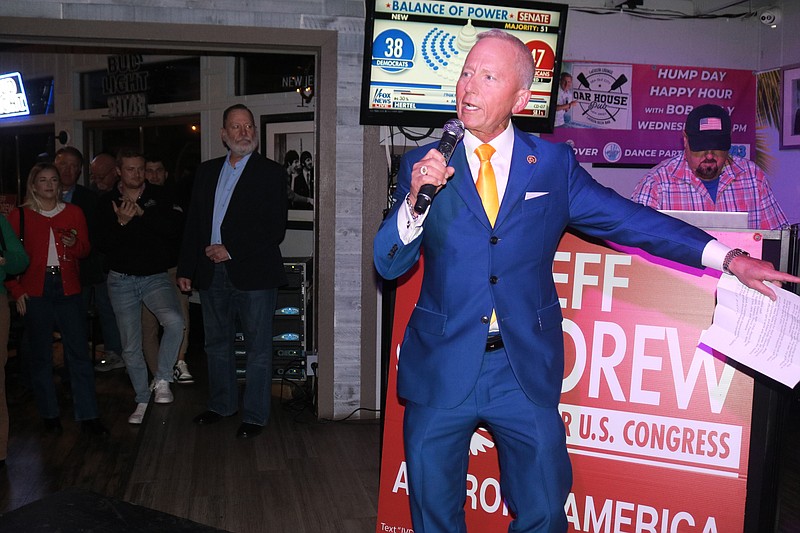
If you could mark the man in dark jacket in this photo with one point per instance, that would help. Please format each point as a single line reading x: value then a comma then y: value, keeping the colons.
x: 230, y: 252
x: 139, y: 228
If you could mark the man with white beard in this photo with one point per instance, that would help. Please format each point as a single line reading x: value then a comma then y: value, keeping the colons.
x: 230, y: 253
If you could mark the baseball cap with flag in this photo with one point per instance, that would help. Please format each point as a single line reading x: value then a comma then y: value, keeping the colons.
x: 708, y: 127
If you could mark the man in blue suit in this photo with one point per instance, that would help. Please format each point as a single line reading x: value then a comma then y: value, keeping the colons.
x: 484, y: 344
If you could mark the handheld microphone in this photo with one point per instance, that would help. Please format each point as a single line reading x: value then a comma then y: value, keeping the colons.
x: 453, y: 132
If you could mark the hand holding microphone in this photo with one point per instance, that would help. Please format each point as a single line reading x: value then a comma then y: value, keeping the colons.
x: 452, y: 134
x: 427, y: 175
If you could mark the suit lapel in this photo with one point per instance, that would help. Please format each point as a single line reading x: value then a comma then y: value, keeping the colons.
x: 240, y: 194
x: 465, y: 186
x: 214, y: 177
x: 522, y: 171
x: 211, y: 185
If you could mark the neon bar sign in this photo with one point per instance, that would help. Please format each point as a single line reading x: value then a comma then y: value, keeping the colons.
x: 13, y: 102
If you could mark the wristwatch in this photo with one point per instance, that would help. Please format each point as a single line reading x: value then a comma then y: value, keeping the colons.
x: 736, y: 252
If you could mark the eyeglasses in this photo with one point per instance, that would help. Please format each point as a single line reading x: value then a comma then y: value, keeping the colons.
x: 236, y: 126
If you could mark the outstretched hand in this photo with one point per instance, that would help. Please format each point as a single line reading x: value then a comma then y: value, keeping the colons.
x: 754, y: 272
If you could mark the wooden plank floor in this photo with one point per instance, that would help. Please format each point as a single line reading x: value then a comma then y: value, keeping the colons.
x: 40, y: 463
x: 300, y: 476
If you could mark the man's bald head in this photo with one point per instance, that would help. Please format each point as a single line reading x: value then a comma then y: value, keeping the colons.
x: 103, y: 172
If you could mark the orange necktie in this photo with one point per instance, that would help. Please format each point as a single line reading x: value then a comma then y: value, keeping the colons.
x: 486, y: 183
x: 487, y: 190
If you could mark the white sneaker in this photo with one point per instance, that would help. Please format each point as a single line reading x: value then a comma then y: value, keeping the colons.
x: 110, y: 361
x: 138, y: 414
x: 163, y: 394
x: 182, y: 374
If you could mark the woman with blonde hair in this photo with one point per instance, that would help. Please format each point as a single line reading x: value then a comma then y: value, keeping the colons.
x: 48, y: 295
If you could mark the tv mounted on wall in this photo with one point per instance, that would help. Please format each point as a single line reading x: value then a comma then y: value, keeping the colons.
x: 414, y: 51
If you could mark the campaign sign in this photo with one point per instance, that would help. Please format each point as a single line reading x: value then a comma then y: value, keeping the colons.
x: 658, y: 430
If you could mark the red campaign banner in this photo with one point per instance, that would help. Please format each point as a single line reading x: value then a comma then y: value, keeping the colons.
x: 658, y: 430
x: 635, y: 114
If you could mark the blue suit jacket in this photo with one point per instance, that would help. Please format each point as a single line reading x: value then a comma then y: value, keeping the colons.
x: 472, y: 268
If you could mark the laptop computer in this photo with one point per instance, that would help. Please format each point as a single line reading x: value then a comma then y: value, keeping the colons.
x: 711, y: 219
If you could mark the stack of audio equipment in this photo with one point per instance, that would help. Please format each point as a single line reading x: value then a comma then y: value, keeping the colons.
x: 292, y: 330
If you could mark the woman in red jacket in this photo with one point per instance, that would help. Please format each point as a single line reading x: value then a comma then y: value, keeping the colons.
x: 48, y: 294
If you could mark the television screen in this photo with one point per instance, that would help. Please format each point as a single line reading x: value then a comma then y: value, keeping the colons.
x: 414, y: 51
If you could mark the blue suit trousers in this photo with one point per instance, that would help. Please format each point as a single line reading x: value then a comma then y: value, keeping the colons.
x: 535, y: 471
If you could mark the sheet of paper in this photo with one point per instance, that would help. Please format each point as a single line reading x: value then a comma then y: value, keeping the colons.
x: 753, y: 330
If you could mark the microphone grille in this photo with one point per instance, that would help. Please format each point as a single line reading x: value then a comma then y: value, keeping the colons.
x: 454, y: 127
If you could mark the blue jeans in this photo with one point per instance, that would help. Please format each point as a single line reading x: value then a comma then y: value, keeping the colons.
x: 127, y: 294
x: 221, y: 303
x: 69, y: 315
x: 105, y: 314
x: 108, y: 321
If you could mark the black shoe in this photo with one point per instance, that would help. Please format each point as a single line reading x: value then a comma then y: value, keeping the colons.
x: 207, y: 417
x: 248, y: 431
x: 94, y: 427
x: 53, y: 425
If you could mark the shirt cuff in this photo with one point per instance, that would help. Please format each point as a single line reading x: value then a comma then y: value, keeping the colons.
x: 408, y: 227
x: 714, y: 254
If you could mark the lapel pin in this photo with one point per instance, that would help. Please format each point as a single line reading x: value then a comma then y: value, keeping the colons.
x: 531, y: 159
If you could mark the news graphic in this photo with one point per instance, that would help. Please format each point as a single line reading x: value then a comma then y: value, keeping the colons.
x: 419, y: 50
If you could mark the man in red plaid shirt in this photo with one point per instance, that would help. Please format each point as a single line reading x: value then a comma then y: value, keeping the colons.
x: 705, y: 177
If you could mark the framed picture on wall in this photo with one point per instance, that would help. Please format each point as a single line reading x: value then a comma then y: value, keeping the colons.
x: 790, y: 107
x: 290, y: 140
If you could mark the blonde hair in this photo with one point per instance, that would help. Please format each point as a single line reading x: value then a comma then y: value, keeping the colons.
x: 32, y: 201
